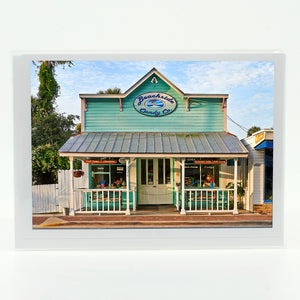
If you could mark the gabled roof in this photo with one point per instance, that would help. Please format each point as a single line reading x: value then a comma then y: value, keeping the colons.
x: 150, y: 73
x: 143, y: 79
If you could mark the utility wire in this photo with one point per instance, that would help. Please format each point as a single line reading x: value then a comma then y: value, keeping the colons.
x: 242, y: 127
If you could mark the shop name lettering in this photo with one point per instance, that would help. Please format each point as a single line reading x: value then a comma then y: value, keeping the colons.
x: 157, y: 96
x: 155, y: 113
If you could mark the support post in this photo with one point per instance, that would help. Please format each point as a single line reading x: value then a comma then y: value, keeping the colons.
x: 188, y: 104
x: 127, y: 188
x: 182, y: 212
x: 72, y: 211
x: 235, y: 210
x: 121, y: 105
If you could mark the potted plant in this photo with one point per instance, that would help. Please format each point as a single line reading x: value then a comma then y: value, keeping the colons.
x: 240, y: 193
x: 78, y: 173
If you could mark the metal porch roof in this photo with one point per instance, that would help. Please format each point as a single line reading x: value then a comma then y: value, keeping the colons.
x: 91, y: 143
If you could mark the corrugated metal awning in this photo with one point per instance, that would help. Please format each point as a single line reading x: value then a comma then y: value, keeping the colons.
x: 138, y: 144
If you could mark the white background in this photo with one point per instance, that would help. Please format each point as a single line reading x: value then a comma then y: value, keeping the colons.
x: 67, y: 26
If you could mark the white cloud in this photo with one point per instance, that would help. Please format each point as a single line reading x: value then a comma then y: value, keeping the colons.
x: 220, y: 77
x: 249, y: 111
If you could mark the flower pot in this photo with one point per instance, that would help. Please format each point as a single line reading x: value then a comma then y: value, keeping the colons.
x: 78, y: 173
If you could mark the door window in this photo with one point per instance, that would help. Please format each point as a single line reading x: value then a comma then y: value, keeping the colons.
x: 160, y: 171
x: 164, y: 171
x: 167, y: 171
x: 150, y: 171
x: 155, y: 171
x: 143, y: 171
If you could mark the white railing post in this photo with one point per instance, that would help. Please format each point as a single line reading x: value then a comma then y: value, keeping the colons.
x: 177, y: 198
x: 72, y: 211
x: 235, y: 210
x: 127, y: 188
x: 182, y: 212
x: 134, y: 200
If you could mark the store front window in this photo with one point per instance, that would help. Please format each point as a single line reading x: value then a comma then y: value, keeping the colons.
x: 201, y: 175
x: 268, y: 174
x: 108, y: 176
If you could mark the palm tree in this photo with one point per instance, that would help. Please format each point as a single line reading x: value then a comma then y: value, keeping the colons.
x: 115, y: 90
x: 252, y: 130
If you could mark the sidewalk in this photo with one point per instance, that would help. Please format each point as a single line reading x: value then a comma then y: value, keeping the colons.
x: 138, y: 220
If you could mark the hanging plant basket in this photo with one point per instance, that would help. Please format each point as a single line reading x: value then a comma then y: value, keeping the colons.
x: 78, y: 173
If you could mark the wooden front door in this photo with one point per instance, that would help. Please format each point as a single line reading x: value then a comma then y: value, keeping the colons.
x: 155, y: 181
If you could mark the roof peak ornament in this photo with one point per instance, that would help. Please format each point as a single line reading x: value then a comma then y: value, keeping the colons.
x: 154, y: 80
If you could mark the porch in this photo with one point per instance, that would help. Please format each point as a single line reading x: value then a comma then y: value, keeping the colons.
x: 115, y: 201
x: 154, y: 168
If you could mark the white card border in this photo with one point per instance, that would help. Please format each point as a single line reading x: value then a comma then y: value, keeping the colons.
x: 139, y: 239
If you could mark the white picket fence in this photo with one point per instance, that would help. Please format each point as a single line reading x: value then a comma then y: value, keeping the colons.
x: 44, y: 198
x: 64, y: 194
x: 48, y: 198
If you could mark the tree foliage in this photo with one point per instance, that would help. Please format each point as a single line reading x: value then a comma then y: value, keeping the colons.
x: 78, y: 127
x: 48, y: 88
x: 115, y: 90
x: 45, y: 164
x: 252, y: 130
x: 49, y: 129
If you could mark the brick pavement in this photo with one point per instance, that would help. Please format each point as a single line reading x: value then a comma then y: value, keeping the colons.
x: 156, y: 220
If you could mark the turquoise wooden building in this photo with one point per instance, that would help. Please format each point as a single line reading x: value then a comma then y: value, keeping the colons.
x: 153, y: 145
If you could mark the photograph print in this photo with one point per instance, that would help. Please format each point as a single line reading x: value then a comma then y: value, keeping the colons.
x: 152, y: 144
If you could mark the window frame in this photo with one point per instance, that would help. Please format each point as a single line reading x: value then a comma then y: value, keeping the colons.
x: 109, y: 173
x: 200, y: 175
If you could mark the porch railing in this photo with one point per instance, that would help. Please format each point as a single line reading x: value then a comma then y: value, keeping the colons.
x: 102, y: 200
x: 206, y: 200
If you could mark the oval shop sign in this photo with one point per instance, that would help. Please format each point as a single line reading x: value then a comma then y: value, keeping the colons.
x: 155, y: 104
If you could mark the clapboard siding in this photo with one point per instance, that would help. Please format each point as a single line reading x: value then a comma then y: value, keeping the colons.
x: 104, y: 114
x: 258, y: 177
x: 255, y: 172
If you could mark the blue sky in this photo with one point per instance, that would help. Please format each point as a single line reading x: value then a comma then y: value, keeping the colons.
x: 250, y: 84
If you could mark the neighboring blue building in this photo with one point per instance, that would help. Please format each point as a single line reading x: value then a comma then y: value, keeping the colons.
x: 260, y: 168
x: 152, y: 145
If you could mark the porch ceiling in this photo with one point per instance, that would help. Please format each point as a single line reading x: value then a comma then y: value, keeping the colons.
x: 139, y: 144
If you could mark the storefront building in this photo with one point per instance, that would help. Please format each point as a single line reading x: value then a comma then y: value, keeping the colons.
x: 260, y: 170
x: 154, y: 145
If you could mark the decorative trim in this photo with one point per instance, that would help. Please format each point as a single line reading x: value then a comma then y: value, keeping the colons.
x: 154, y: 80
x: 188, y: 104
x: 224, y: 109
x: 206, y: 95
x: 85, y: 104
x: 83, y: 110
x: 121, y: 105
x: 165, y: 155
